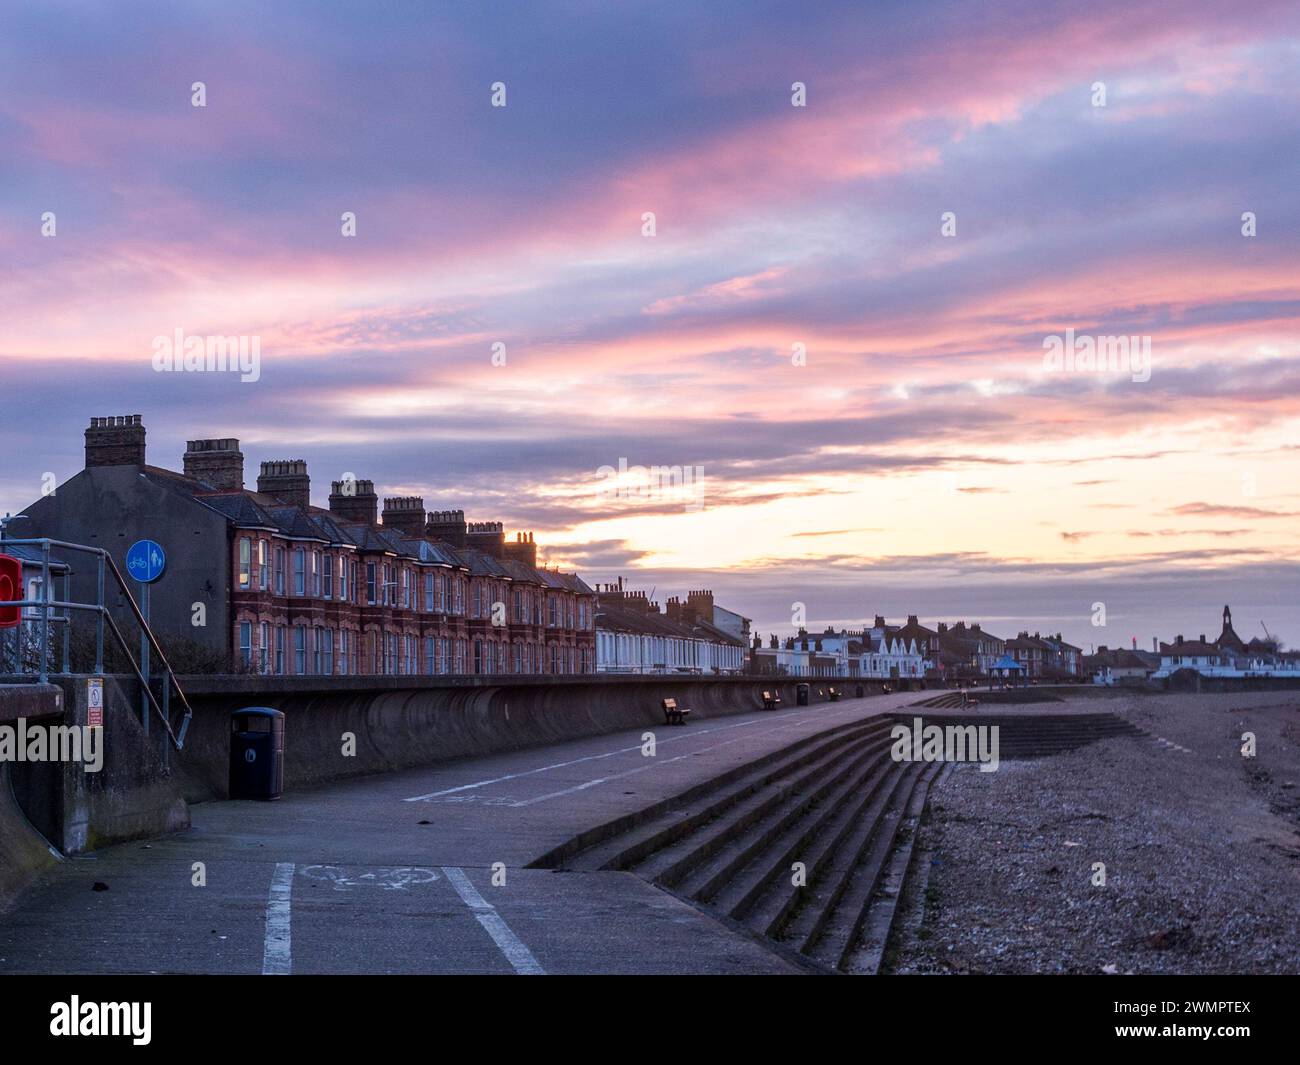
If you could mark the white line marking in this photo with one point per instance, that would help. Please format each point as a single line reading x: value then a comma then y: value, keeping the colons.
x: 597, y: 757
x: 652, y: 763
x: 275, y: 956
x: 519, y: 956
x: 562, y: 765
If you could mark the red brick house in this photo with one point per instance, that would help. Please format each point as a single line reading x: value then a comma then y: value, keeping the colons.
x: 289, y: 588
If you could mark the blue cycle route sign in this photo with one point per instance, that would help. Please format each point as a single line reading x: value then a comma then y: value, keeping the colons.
x: 145, y: 561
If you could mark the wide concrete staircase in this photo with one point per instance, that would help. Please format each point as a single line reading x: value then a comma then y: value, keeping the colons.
x: 836, y: 807
x: 836, y: 803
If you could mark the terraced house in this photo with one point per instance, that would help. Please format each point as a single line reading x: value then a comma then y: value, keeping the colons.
x: 276, y: 585
x: 1046, y: 657
x: 877, y: 652
x: 967, y: 652
x: 691, y: 636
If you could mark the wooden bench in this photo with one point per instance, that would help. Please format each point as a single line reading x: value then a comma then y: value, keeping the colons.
x: 833, y: 694
x: 673, y: 714
x: 771, y: 700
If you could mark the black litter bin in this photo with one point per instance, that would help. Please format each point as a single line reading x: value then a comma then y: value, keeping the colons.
x: 801, y: 695
x: 256, y: 753
x: 859, y: 691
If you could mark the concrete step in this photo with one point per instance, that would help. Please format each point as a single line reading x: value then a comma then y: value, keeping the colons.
x: 663, y: 824
x: 763, y: 813
x: 838, y: 931
x: 744, y: 849
x: 816, y: 905
x: 782, y: 847
x: 865, y: 957
x: 833, y: 844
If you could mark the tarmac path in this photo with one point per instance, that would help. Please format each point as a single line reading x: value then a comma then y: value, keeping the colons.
x: 403, y: 873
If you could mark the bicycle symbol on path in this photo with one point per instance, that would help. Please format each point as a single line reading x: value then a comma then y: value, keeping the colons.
x: 397, y: 878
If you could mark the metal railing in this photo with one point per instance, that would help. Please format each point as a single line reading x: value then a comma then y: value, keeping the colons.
x: 104, y: 622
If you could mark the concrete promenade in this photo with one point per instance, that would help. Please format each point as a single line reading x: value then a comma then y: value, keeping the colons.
x: 393, y: 873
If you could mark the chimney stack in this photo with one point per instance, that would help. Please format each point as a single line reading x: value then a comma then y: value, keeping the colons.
x: 287, y: 481
x: 354, y: 501
x: 115, y: 441
x: 405, y: 514
x: 218, y: 463
x: 699, y: 604
x: 447, y: 526
x: 486, y: 536
x: 522, y: 549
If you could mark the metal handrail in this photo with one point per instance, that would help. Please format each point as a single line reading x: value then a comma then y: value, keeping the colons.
x: 45, y: 543
x: 96, y: 608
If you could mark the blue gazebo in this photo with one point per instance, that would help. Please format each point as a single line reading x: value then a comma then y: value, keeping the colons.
x: 1009, y: 669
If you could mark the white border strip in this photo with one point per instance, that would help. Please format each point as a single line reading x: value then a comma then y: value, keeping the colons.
x: 275, y: 955
x: 519, y: 956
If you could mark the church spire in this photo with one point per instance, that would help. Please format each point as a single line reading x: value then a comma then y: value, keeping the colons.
x: 1229, y: 640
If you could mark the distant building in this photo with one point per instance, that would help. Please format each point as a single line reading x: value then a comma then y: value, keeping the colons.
x: 634, y: 636
x: 1197, y: 654
x: 1228, y: 656
x: 875, y: 653
x: 926, y: 641
x: 968, y: 652
x: 1064, y: 658
x: 1119, y: 667
x: 891, y: 657
x: 1031, y: 653
x: 733, y: 624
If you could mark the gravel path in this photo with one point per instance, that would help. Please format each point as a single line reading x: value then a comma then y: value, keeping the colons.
x: 1201, y: 850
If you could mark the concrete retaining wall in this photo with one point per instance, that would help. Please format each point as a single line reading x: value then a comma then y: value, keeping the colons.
x: 137, y: 794
x: 134, y: 795
x: 413, y: 721
x: 24, y: 852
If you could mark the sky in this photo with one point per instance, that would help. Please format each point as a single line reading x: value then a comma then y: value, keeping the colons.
x: 838, y: 319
